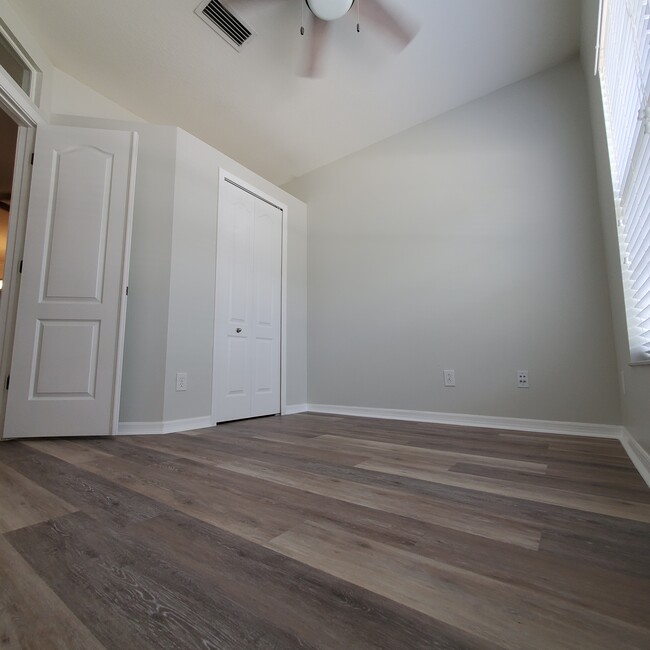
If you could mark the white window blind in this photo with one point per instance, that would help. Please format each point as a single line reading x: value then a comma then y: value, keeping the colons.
x: 624, y: 67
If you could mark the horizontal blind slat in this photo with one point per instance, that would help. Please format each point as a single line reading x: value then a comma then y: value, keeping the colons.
x: 625, y: 82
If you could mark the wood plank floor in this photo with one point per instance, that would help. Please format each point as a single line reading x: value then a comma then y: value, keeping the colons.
x: 313, y: 531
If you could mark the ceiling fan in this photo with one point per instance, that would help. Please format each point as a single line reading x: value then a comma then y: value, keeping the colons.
x: 321, y: 13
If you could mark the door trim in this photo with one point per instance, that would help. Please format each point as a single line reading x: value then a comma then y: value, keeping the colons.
x: 25, y: 113
x: 16, y: 103
x: 226, y: 177
x: 13, y: 256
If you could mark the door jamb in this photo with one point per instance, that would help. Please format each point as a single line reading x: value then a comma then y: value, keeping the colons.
x: 226, y: 176
x: 25, y: 113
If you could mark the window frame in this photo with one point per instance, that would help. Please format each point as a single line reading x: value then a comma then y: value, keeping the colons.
x: 638, y: 337
x: 36, y: 75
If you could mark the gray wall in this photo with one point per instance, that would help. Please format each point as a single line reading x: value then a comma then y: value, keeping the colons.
x: 635, y: 389
x: 192, y: 279
x: 469, y: 242
x: 146, y: 329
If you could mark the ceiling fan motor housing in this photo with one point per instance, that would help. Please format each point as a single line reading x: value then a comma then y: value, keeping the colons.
x: 329, y: 9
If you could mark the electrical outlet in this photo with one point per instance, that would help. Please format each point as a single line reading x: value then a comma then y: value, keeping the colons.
x: 450, y: 377
x: 181, y: 381
x: 522, y: 378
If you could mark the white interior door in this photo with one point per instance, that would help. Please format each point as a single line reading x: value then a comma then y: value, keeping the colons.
x: 249, y: 306
x: 67, y: 356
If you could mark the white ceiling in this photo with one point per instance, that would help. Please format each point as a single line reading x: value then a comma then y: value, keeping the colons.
x: 160, y: 61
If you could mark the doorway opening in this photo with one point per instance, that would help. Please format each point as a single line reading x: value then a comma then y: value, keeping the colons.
x: 8, y: 141
x: 16, y: 142
x: 20, y: 82
x: 16, y: 145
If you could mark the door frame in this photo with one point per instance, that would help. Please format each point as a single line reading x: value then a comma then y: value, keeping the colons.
x: 25, y: 113
x: 226, y: 177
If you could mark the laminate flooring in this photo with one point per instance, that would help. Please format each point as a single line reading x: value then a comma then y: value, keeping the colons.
x: 317, y: 531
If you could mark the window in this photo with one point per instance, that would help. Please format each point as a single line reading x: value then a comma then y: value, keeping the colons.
x: 624, y: 67
x: 14, y: 65
x: 17, y: 64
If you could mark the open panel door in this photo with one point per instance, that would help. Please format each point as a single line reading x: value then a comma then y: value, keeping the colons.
x: 67, y: 355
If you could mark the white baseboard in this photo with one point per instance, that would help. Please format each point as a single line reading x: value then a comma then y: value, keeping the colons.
x: 487, y: 421
x: 292, y: 409
x: 638, y: 455
x: 169, y: 426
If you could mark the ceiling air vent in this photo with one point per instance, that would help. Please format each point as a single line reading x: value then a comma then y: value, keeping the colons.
x: 224, y: 22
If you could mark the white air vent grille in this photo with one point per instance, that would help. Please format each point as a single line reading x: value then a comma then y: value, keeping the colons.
x: 224, y: 22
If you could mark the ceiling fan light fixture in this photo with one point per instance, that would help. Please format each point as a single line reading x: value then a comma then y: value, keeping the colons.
x: 329, y: 9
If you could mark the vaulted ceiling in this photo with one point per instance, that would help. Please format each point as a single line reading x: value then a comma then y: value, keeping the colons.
x: 160, y: 61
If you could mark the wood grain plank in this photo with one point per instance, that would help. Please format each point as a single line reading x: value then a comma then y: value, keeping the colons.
x: 623, y: 549
x: 596, y: 473
x: 32, y: 616
x: 421, y: 455
x: 130, y: 599
x: 617, y: 590
x: 12, y: 450
x: 295, y: 596
x: 393, y: 501
x: 84, y: 490
x: 622, y: 489
x: 502, y: 614
x: 258, y: 447
x: 207, y: 499
x: 188, y: 449
x: 23, y: 502
x: 603, y: 505
x: 67, y: 450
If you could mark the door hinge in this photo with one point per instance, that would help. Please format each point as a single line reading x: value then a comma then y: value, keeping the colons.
x: 20, y: 267
x: 7, y: 382
x: 31, y: 159
x: 127, y: 290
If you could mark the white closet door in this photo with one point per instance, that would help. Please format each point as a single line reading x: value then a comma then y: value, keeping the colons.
x: 266, y: 308
x: 67, y: 356
x: 248, y: 321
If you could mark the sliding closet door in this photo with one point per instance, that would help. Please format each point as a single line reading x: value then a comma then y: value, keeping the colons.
x: 249, y: 306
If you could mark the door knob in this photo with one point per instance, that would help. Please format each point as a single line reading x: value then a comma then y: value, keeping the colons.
x: 238, y: 330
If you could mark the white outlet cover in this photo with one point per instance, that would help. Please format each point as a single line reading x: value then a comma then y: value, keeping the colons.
x: 449, y: 377
x: 181, y: 381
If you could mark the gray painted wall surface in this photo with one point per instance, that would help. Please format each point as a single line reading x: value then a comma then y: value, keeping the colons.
x: 146, y: 329
x: 470, y: 242
x: 192, y: 279
x: 635, y: 390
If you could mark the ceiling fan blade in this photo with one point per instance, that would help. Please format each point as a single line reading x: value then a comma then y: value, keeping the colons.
x: 397, y: 28
x: 316, y: 32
